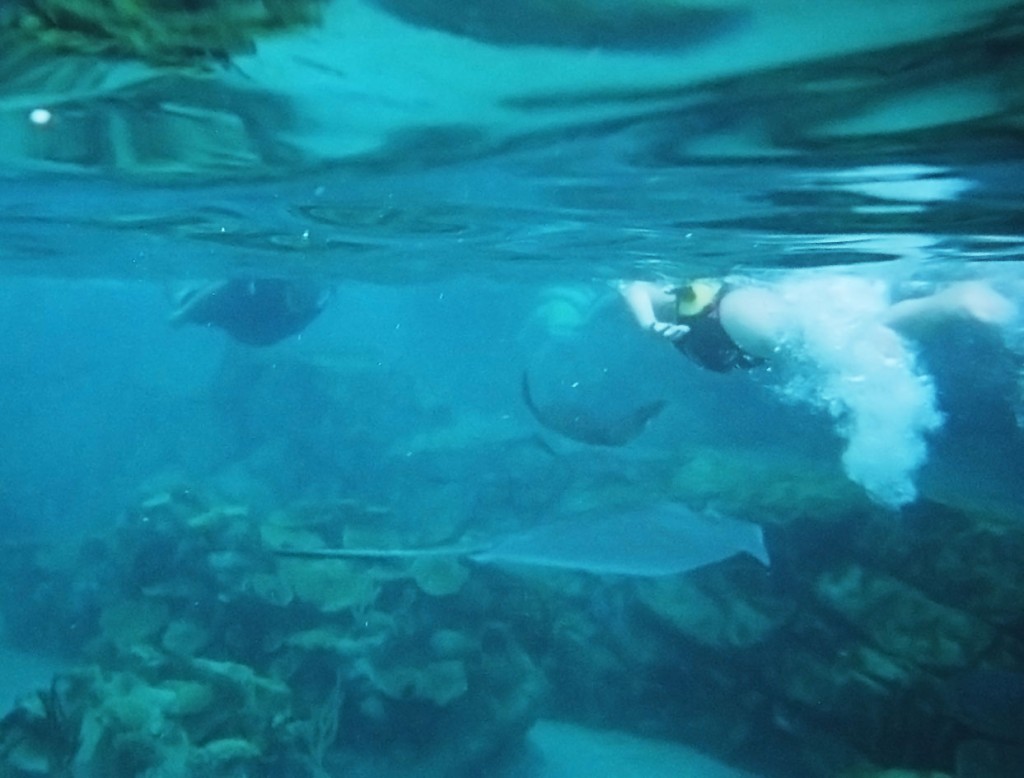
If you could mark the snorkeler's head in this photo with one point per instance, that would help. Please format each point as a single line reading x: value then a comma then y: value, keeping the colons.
x: 693, y: 298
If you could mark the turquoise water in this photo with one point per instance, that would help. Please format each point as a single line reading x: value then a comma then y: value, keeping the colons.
x: 462, y: 186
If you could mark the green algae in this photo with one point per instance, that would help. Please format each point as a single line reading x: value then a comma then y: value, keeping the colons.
x: 328, y: 586
x: 185, y: 637
x: 439, y: 576
x: 127, y: 623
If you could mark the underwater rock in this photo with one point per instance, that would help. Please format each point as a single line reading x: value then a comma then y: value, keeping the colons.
x: 134, y: 704
x: 126, y: 728
x: 985, y: 759
x: 899, y: 772
x: 859, y: 702
x: 130, y: 622
x: 969, y: 560
x: 503, y: 701
x: 185, y: 637
x: 438, y: 682
x: 239, y: 676
x: 217, y: 754
x: 719, y: 607
x: 280, y: 536
x: 332, y: 586
x: 849, y: 690
x: 190, y: 697
x: 446, y: 704
x: 990, y: 701
x: 209, y: 715
x: 901, y: 620
x: 450, y: 643
x: 767, y: 484
x: 439, y: 576
x: 217, y: 518
x: 334, y: 640
x: 270, y: 589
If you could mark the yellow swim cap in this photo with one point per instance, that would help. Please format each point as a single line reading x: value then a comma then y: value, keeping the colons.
x: 693, y: 298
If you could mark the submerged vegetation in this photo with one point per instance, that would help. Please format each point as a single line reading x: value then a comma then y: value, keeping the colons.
x: 870, y: 646
x: 160, y: 31
x: 205, y: 652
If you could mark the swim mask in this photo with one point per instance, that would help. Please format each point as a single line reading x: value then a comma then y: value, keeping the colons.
x: 693, y: 298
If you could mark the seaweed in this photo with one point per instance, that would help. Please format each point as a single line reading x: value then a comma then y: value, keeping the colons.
x: 43, y: 731
x: 319, y: 732
x: 211, y: 655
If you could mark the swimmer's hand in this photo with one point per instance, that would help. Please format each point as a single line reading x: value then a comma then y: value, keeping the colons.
x: 668, y: 331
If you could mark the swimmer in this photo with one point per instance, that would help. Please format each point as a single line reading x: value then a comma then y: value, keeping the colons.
x: 841, y: 343
x: 722, y: 326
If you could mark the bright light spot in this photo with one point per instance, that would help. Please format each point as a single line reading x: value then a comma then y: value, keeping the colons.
x: 40, y: 116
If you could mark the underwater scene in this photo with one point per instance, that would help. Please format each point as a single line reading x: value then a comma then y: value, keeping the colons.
x: 536, y: 389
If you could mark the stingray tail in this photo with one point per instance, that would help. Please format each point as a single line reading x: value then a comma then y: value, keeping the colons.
x: 371, y: 554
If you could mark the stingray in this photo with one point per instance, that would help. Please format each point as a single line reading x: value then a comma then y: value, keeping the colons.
x: 255, y: 311
x: 659, y: 540
x: 579, y: 424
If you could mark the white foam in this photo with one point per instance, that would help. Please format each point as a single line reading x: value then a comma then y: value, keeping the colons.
x: 847, y: 362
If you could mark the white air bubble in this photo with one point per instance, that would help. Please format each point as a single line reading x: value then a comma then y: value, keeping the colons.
x: 848, y: 363
x: 40, y: 116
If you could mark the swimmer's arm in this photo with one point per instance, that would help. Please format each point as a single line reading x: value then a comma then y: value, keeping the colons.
x: 650, y: 304
x: 640, y: 296
x: 646, y: 301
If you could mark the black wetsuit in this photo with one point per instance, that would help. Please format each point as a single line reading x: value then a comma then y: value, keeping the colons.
x: 709, y: 345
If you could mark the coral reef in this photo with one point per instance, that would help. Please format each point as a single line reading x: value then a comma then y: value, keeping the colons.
x: 874, y: 645
x: 205, y: 653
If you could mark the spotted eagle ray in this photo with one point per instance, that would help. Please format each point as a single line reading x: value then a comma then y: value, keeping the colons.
x: 659, y: 540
